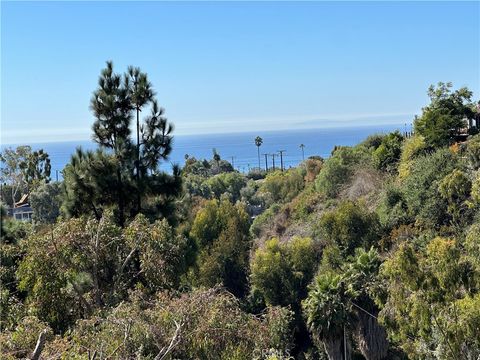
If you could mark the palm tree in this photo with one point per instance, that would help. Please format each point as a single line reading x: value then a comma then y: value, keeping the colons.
x: 327, y: 314
x: 303, y: 153
x: 258, y: 143
x: 216, y: 157
x: 141, y: 93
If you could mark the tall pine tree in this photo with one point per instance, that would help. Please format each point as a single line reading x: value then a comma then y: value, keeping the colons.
x: 121, y: 172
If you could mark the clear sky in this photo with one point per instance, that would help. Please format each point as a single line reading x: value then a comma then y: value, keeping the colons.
x: 225, y: 67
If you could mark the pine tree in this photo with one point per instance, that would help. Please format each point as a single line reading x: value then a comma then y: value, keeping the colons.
x: 121, y: 172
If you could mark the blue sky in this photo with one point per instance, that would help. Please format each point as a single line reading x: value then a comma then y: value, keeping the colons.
x: 226, y: 67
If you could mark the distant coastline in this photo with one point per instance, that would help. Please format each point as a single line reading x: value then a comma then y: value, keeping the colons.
x: 239, y: 145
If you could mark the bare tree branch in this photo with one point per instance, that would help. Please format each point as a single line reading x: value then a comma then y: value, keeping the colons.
x: 174, y: 342
x: 39, y: 347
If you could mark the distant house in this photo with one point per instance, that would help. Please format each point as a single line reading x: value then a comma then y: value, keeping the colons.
x: 475, y: 121
x: 21, y: 210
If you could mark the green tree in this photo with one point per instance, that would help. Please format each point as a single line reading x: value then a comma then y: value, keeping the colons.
x: 282, y: 271
x: 455, y: 188
x: 429, y: 293
x: 23, y: 170
x: 442, y: 119
x: 227, y: 184
x: 283, y: 186
x: 161, y: 252
x: 420, y: 187
x: 476, y: 189
x: 349, y: 226
x: 132, y: 172
x: 11, y: 172
x: 220, y: 230
x: 12, y: 235
x: 327, y: 314
x: 387, y: 154
x: 258, y: 143
x: 90, y: 184
x: 141, y: 94
x: 36, y: 169
x: 340, y: 304
x: 45, y: 201
x: 473, y: 152
x: 412, y: 148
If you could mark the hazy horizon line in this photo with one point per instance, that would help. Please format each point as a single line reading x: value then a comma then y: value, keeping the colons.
x: 238, y: 131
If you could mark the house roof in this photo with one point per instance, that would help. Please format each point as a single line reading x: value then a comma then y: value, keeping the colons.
x: 23, y: 201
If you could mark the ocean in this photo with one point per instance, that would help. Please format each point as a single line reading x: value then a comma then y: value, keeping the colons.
x: 238, y: 148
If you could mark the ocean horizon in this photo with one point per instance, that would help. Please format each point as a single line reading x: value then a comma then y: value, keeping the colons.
x: 238, y: 148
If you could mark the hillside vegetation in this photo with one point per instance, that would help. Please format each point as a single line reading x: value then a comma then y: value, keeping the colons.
x: 373, y: 253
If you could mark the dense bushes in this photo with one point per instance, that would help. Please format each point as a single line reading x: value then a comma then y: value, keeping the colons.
x: 84, y: 264
x: 412, y: 148
x: 370, y: 254
x: 424, y: 290
x: 387, y: 154
x: 207, y: 324
x: 220, y: 231
x: 46, y: 201
x: 338, y: 169
x: 283, y: 186
x: 420, y: 187
x: 349, y: 226
x: 282, y: 271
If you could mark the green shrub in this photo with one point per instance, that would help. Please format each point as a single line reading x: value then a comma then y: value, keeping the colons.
x: 227, y: 184
x: 349, y: 226
x: 282, y: 271
x: 387, y: 154
x: 392, y: 210
x: 412, y: 148
x: 420, y: 187
x: 46, y: 201
x: 220, y: 230
x: 455, y: 189
x: 283, y: 186
x: 338, y: 169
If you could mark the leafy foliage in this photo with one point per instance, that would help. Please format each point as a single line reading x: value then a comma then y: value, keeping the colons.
x: 45, y: 202
x: 134, y: 270
x: 281, y: 272
x: 338, y: 169
x: 220, y: 230
x: 283, y: 186
x: 421, y: 187
x: 442, y: 119
x: 124, y: 173
x: 387, y: 154
x: 349, y: 226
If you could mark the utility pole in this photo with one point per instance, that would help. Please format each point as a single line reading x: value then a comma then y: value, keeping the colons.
x: 233, y: 164
x: 281, y: 158
x: 303, y: 153
x: 273, y: 159
x: 266, y: 162
x: 56, y: 174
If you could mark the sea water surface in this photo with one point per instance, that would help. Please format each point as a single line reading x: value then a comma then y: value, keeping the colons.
x: 238, y: 148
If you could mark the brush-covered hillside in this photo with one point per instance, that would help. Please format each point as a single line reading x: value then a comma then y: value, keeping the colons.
x: 372, y: 253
